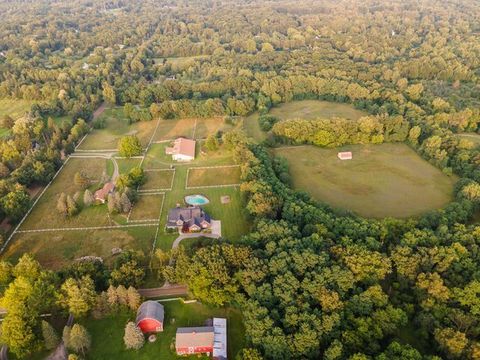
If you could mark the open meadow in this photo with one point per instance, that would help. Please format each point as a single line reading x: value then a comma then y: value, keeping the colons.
x: 473, y: 137
x: 381, y: 180
x: 107, y: 333
x: 303, y: 109
x: 147, y: 207
x: 57, y: 249
x: 116, y: 126
x: 44, y: 214
x: 212, y: 176
x: 13, y: 108
x: 314, y: 109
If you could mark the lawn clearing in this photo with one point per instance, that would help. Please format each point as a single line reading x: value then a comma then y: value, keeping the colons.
x: 213, y: 176
x: 55, y: 250
x: 14, y: 108
x: 116, y: 126
x: 147, y: 208
x: 473, y: 137
x: 107, y: 334
x: 252, y: 128
x: 233, y: 215
x: 381, y: 180
x: 161, y: 179
x: 174, y: 128
x: 157, y: 159
x: 314, y: 109
x: 210, y: 126
x: 44, y: 214
x: 125, y: 165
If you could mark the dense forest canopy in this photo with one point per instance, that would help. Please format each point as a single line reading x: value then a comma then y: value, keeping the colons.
x: 311, y: 282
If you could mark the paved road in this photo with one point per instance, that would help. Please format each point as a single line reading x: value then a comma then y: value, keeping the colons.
x: 168, y: 290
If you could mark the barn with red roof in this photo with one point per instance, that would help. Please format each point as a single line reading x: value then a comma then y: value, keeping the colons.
x: 150, y: 317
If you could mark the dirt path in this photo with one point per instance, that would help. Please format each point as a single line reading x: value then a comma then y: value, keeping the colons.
x: 60, y: 353
x: 99, y: 111
x: 103, y: 155
x: 167, y: 290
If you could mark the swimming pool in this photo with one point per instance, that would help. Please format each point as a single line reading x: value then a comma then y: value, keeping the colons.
x: 196, y: 200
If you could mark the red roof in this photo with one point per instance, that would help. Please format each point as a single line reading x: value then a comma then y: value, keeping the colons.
x: 183, y: 146
x: 103, y: 192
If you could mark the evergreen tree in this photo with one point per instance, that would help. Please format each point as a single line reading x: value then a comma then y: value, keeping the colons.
x: 133, y: 298
x: 72, y: 208
x: 62, y: 204
x: 81, y: 180
x: 88, y: 198
x: 125, y: 203
x: 49, y: 335
x: 133, y: 337
x: 79, y: 339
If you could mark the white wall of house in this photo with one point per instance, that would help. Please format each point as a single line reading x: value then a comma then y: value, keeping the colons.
x: 181, y: 157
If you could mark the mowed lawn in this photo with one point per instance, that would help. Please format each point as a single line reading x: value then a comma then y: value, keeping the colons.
x: 227, y: 175
x: 174, y: 128
x: 45, y: 215
x: 159, y: 179
x: 210, y: 126
x: 107, y: 334
x: 13, y: 108
x: 125, y: 165
x: 157, y: 159
x: 314, y: 109
x: 58, y: 249
x: 473, y: 137
x: 381, y: 180
x: 235, y: 222
x: 304, y: 109
x: 147, y: 207
x: 116, y: 126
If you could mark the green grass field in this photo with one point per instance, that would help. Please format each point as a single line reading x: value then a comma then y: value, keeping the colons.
x: 158, y: 179
x: 213, y: 176
x: 116, y: 127
x: 174, y: 128
x: 56, y: 250
x: 210, y: 126
x: 304, y: 109
x: 107, y: 334
x: 233, y: 215
x: 45, y: 215
x: 473, y: 137
x: 13, y: 108
x: 157, y: 159
x: 125, y: 165
x: 381, y: 180
x: 147, y: 207
x: 314, y: 109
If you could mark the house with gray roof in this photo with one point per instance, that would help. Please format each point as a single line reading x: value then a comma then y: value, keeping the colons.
x: 189, y: 219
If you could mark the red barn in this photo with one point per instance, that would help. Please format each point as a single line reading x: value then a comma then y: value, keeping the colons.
x: 194, y: 340
x: 150, y: 317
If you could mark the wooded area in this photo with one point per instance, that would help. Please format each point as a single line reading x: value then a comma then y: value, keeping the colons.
x: 311, y: 282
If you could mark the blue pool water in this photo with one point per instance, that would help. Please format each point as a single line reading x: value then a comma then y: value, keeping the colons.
x: 196, y: 200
